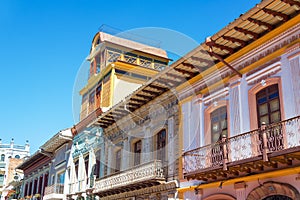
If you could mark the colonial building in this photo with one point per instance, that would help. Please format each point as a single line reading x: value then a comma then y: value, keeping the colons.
x: 44, y: 172
x: 118, y: 67
x: 240, y: 114
x: 10, y: 155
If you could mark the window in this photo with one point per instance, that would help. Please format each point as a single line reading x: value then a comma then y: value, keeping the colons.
x: 1, y: 179
x: 268, y: 105
x: 161, y: 143
x: 98, y: 66
x: 92, y: 101
x: 97, y: 166
x: 60, y: 178
x: 137, y: 152
x: 86, y: 165
x: 98, y: 95
x: 17, y: 156
x: 76, y: 167
x: 2, y: 157
x: 218, y: 120
x: 118, y: 161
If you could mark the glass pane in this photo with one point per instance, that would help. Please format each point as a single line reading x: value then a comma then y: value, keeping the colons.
x: 215, y: 137
x: 263, y: 109
x: 224, y: 124
x: 274, y: 105
x: 264, y: 119
x: 275, y: 117
x: 215, y: 127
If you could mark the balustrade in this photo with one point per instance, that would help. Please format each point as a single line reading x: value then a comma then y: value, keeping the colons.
x: 54, y: 189
x: 260, y: 142
x: 144, y: 172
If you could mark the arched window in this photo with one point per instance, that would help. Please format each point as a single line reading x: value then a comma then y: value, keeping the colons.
x: 218, y: 120
x: 2, y: 157
x: 216, y: 117
x: 268, y: 105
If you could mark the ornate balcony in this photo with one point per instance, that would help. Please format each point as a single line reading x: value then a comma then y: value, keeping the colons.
x: 55, y: 191
x: 140, y: 176
x: 265, y: 149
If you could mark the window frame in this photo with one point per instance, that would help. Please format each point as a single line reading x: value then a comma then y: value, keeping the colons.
x: 207, y: 123
x: 252, y: 100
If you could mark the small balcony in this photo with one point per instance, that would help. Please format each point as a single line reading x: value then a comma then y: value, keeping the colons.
x: 55, y: 191
x: 276, y: 146
x: 137, y: 177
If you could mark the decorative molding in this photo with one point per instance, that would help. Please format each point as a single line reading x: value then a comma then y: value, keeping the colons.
x: 264, y: 72
x: 215, y: 96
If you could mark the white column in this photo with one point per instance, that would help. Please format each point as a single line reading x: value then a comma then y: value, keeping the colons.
x: 125, y: 154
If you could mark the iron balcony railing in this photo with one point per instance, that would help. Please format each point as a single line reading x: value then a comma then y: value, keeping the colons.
x: 145, y: 172
x: 260, y: 142
x: 57, y: 188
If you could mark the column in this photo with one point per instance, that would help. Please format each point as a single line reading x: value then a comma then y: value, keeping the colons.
x: 170, y: 146
x: 235, y: 108
x: 110, y: 159
x: 125, y: 154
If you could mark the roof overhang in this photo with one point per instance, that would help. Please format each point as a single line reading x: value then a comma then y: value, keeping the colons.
x: 250, y: 27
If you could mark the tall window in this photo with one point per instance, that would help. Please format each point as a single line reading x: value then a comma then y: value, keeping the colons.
x: 97, y: 166
x: 137, y: 152
x: 98, y: 66
x: 86, y: 165
x: 98, y: 95
x: 268, y: 105
x: 92, y: 102
x: 118, y: 161
x: 76, y: 167
x: 60, y: 178
x: 218, y: 120
x: 161, y: 143
x: 2, y: 157
x: 1, y: 179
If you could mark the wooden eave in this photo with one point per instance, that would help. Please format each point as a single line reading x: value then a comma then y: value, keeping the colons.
x: 245, y: 30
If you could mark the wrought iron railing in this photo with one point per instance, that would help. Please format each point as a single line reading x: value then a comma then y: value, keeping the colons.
x: 57, y: 188
x: 144, y: 172
x: 114, y: 56
x: 267, y: 139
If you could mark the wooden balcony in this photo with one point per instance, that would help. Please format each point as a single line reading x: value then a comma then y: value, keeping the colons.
x: 272, y: 147
x: 55, y: 191
x: 137, y: 177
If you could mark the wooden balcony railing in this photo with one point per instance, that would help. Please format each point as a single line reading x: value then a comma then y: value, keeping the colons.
x: 261, y: 142
x: 57, y: 188
x: 152, y: 171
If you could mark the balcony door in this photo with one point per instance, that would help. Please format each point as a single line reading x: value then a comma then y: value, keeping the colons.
x: 161, y: 143
x: 137, y: 152
x: 268, y: 105
x: 218, y: 119
x: 268, y: 112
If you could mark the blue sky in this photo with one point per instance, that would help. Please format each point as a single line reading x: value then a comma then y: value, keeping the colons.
x: 43, y: 44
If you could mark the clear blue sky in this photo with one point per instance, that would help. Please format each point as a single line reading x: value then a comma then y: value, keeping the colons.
x: 43, y: 43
